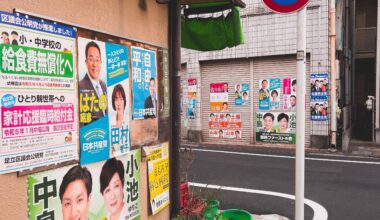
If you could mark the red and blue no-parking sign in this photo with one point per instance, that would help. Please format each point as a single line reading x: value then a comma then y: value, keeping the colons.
x: 285, y: 6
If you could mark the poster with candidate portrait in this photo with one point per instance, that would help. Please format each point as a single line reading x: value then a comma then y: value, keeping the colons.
x: 158, y: 176
x: 93, y: 101
x: 219, y: 97
x: 144, y: 83
x: 319, y: 96
x: 276, y: 127
x: 225, y: 125
x: 275, y: 93
x: 289, y: 88
x: 192, y: 98
x: 118, y: 98
x: 241, y: 94
x: 37, y: 93
x: 96, y: 191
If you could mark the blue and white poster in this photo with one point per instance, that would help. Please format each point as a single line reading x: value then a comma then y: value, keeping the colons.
x: 93, y: 104
x: 118, y: 98
x: 319, y: 96
x: 144, y: 83
x: 241, y: 94
x: 264, y: 94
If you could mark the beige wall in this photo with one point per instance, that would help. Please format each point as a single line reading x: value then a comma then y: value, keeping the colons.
x: 120, y: 17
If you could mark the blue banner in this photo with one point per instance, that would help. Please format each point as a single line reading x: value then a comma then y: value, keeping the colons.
x: 117, y: 63
x: 144, y: 83
x: 36, y: 24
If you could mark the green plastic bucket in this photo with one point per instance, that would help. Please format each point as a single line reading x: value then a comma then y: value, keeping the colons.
x: 211, y: 210
x: 235, y: 214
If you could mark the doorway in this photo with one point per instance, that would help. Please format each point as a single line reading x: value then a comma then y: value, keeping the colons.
x: 365, y: 85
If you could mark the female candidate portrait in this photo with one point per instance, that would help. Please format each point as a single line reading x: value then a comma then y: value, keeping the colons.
x: 112, y: 188
x: 118, y: 122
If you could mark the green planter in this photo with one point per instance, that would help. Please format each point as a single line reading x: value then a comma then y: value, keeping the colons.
x: 211, y: 210
x: 234, y: 214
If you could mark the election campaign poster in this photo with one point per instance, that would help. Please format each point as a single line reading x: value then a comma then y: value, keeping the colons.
x: 144, y: 83
x: 158, y: 176
x: 219, y: 97
x: 37, y: 93
x: 93, y: 102
x: 225, y: 125
x: 276, y: 127
x: 319, y: 96
x: 165, y: 82
x: 241, y: 94
x: 118, y: 98
x: 269, y: 94
x: 192, y: 98
x: 104, y: 190
x: 289, y: 86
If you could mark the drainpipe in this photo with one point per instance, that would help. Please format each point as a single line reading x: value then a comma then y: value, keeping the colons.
x: 174, y: 68
x: 333, y: 74
x: 377, y: 117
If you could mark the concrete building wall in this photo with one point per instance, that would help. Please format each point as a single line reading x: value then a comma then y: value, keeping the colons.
x: 144, y: 21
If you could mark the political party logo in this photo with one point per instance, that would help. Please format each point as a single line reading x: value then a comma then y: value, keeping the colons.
x: 285, y: 6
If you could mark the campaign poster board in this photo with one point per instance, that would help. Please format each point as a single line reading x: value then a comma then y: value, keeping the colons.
x: 241, y: 94
x: 276, y: 127
x: 37, y: 93
x: 225, y: 125
x: 158, y: 176
x: 219, y: 97
x: 319, y: 83
x: 63, y: 191
x: 289, y: 87
x: 144, y: 83
x: 192, y: 98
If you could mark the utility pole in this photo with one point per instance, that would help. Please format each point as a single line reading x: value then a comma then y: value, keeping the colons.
x: 301, y: 105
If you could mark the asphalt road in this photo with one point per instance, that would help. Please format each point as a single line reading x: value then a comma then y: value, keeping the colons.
x: 348, y: 188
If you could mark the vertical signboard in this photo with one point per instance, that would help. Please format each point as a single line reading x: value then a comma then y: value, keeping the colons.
x: 102, y: 190
x: 144, y: 83
x: 37, y: 93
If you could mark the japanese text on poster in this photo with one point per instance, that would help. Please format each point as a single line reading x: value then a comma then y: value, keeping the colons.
x: 319, y: 96
x: 192, y: 98
x: 241, y: 94
x: 37, y: 93
x: 289, y: 87
x: 276, y: 127
x: 158, y: 176
x: 219, y: 97
x: 106, y: 190
x: 225, y: 125
x: 144, y: 83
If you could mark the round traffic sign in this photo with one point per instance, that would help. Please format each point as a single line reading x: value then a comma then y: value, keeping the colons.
x: 285, y: 6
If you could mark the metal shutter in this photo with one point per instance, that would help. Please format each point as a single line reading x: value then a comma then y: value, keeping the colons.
x: 233, y: 72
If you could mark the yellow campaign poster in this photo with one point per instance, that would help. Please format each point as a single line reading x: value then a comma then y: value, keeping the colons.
x: 158, y: 176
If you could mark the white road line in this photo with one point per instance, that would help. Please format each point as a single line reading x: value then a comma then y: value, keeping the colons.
x: 320, y: 213
x: 288, y: 157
